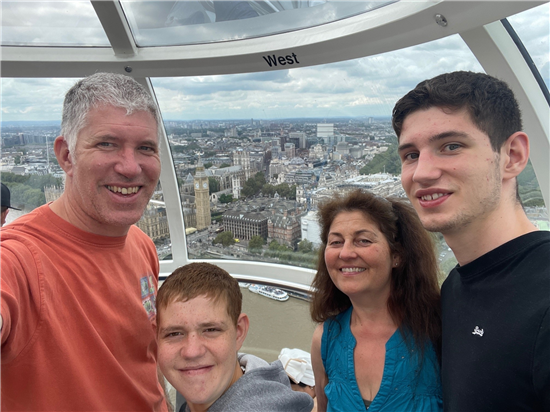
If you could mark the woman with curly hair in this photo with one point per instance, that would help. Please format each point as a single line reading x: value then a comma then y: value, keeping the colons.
x: 377, y: 299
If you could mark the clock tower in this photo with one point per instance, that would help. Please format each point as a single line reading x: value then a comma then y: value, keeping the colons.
x: 202, y: 197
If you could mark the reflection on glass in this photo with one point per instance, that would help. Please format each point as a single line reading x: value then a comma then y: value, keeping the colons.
x: 533, y: 28
x: 168, y: 23
x: 51, y: 23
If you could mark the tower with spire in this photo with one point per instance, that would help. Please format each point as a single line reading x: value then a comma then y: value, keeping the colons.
x: 202, y: 197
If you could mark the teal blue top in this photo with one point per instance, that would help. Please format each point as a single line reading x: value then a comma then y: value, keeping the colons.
x: 403, y: 388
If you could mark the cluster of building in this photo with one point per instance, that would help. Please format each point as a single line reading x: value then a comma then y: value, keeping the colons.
x: 318, y: 158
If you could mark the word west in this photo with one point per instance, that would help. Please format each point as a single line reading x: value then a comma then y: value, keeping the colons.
x: 282, y: 60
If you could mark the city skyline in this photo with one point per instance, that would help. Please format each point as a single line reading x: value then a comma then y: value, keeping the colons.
x: 313, y: 119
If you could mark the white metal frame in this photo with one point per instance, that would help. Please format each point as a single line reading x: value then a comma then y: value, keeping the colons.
x: 499, y: 56
x: 392, y: 27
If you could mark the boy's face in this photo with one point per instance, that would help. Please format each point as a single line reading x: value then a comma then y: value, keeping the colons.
x: 197, y: 349
x: 449, y: 171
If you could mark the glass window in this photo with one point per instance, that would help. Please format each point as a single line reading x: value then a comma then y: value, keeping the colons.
x: 51, y: 23
x: 268, y: 147
x: 168, y: 23
x: 533, y: 28
x: 31, y: 110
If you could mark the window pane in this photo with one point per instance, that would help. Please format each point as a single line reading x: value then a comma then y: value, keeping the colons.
x: 273, y: 145
x: 167, y: 23
x: 51, y: 23
x: 29, y: 127
x: 533, y: 28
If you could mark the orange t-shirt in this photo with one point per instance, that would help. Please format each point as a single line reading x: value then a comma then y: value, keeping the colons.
x: 77, y: 311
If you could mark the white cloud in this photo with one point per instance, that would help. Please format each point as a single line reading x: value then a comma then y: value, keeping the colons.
x: 367, y: 86
x: 51, y: 23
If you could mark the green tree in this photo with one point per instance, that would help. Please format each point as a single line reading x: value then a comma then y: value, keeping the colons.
x: 177, y: 149
x: 268, y: 190
x: 305, y: 246
x: 208, y: 165
x: 253, y: 185
x: 39, y: 182
x: 213, y: 185
x: 259, y: 177
x: 255, y: 244
x: 225, y: 238
x: 28, y: 190
x: 224, y: 165
x: 284, y: 190
x: 388, y: 161
x: 274, y: 245
x: 17, y: 160
x: 225, y: 198
x: 25, y: 195
x: 8, y: 177
x: 192, y: 146
x: 529, y: 189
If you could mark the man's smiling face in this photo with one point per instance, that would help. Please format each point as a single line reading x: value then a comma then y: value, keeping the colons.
x: 114, y: 170
x: 450, y: 172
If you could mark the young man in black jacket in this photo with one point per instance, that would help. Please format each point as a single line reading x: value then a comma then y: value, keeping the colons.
x: 462, y: 147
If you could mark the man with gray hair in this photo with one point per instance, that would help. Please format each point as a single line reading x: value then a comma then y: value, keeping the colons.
x: 78, y: 277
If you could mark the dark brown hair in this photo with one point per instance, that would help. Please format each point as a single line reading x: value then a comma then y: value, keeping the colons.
x: 200, y: 279
x: 414, y: 301
x: 489, y: 102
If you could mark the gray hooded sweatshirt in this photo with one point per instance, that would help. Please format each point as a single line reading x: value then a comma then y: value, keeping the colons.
x: 264, y: 387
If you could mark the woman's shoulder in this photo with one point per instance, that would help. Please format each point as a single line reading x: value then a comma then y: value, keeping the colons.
x: 336, y: 333
x: 342, y: 319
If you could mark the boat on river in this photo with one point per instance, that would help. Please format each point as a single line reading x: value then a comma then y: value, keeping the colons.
x: 269, y: 292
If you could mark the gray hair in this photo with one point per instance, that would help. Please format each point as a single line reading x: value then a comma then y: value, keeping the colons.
x: 99, y: 89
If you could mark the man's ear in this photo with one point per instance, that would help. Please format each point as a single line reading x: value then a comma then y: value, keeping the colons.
x: 5, y: 214
x: 242, y: 329
x: 515, y: 155
x: 64, y: 157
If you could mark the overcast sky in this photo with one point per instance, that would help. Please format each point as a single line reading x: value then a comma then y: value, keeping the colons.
x: 362, y: 87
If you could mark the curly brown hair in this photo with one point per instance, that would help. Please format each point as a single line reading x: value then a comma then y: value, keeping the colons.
x: 414, y: 301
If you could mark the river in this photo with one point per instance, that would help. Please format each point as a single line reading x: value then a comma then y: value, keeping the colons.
x: 275, y: 325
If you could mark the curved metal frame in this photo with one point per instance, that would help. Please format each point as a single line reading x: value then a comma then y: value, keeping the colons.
x: 392, y: 27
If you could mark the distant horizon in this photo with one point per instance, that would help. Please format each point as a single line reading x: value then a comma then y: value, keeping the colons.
x: 245, y: 119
